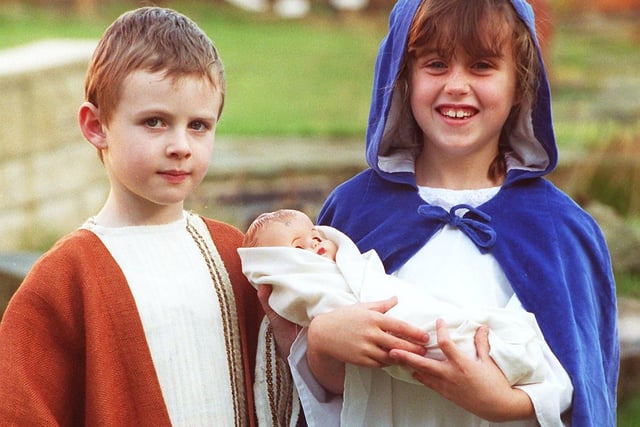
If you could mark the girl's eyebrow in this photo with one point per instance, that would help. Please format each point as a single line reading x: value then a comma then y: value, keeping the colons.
x: 426, y: 51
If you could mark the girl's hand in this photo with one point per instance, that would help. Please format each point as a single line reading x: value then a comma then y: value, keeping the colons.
x: 361, y: 335
x: 477, y: 385
x: 284, y: 332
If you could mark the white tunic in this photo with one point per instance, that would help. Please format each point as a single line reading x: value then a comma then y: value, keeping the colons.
x: 176, y: 299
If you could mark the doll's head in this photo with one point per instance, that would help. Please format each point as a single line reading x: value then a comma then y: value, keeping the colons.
x: 289, y: 228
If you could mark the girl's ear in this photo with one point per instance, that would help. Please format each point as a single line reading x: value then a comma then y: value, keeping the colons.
x: 91, y: 125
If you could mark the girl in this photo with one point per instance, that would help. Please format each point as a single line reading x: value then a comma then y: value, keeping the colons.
x: 459, y: 140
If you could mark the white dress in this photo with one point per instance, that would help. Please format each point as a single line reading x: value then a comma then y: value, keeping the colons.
x: 449, y: 257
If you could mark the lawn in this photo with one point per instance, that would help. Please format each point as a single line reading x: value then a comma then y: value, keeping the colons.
x: 312, y: 77
x: 306, y: 78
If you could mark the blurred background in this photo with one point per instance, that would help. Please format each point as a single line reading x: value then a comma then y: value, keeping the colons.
x: 299, y: 79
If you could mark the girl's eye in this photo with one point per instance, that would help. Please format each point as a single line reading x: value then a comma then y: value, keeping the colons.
x: 484, y: 65
x: 437, y: 64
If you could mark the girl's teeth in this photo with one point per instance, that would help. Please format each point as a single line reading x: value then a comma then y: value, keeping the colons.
x: 456, y: 114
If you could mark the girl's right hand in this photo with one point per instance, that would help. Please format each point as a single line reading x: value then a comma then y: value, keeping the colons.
x: 361, y: 335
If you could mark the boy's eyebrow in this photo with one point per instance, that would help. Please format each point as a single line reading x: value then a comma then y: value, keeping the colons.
x: 168, y: 113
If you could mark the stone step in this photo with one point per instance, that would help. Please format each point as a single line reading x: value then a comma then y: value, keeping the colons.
x: 13, y: 267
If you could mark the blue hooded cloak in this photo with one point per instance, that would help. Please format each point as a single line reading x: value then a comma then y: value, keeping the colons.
x: 552, y: 252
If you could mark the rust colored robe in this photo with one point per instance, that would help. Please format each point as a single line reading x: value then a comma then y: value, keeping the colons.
x: 72, y: 346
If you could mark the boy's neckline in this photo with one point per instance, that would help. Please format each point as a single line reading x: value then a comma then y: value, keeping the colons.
x: 93, y: 224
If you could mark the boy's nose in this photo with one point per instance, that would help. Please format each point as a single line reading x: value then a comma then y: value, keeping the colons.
x: 179, y: 146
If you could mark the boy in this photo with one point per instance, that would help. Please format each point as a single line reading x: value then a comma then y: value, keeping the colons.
x: 142, y: 316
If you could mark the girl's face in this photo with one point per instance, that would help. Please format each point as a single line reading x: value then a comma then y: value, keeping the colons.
x: 461, y: 103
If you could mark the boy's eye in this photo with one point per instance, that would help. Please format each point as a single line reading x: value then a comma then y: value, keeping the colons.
x: 153, y: 122
x: 199, y: 126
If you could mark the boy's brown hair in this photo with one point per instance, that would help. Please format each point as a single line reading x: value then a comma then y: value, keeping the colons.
x: 151, y: 39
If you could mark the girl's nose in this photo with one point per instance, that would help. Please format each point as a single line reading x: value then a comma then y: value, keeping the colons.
x: 457, y: 83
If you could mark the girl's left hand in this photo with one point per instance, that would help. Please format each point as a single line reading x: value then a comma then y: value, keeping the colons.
x: 477, y: 385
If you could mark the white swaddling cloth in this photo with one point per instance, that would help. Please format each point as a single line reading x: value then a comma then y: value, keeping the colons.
x: 306, y: 284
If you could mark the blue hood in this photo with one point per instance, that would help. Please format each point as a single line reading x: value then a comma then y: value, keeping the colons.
x: 533, y: 141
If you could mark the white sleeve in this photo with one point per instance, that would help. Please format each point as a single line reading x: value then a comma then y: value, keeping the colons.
x: 553, y: 396
x: 321, y: 409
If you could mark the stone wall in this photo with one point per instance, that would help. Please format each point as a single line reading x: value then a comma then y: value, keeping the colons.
x: 50, y: 179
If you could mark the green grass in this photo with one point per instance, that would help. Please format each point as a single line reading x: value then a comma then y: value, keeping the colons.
x: 312, y: 77
x: 629, y: 413
x: 628, y: 284
x: 595, y: 80
x: 20, y: 24
x: 304, y: 77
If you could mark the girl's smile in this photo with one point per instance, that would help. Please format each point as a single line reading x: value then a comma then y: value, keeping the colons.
x: 457, y: 112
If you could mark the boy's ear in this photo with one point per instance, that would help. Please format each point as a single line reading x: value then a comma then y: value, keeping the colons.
x: 91, y: 125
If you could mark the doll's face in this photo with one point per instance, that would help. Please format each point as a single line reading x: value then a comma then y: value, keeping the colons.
x: 297, y: 232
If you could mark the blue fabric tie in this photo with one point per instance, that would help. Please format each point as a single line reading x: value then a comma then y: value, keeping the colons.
x: 473, y: 223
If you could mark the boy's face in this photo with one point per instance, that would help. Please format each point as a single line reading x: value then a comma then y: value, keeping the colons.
x: 297, y: 232
x: 158, y: 142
